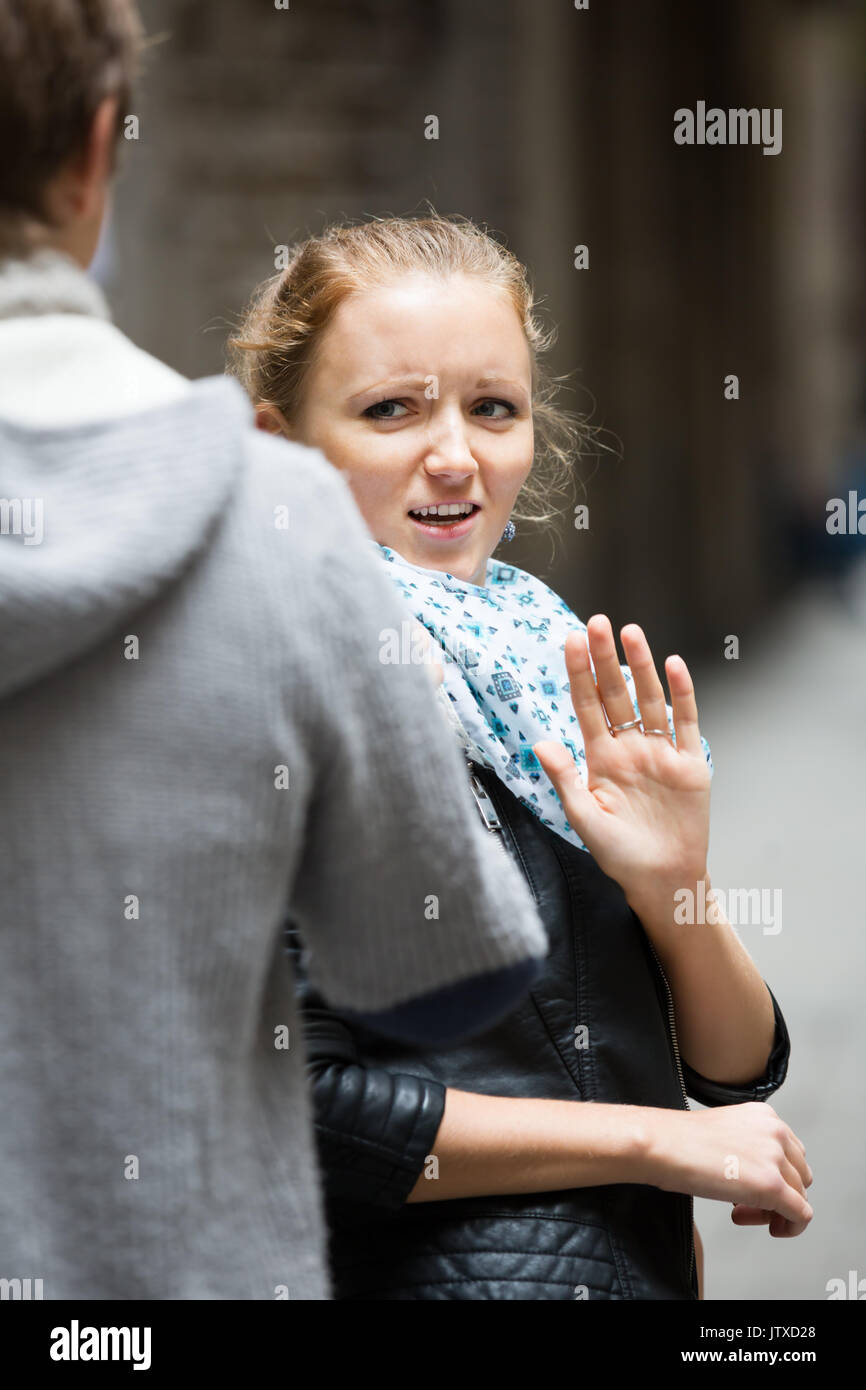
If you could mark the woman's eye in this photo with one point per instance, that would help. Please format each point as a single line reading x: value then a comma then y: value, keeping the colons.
x: 385, y: 410
x: 503, y: 410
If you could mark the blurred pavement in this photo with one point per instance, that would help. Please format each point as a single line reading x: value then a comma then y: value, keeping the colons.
x: 786, y: 726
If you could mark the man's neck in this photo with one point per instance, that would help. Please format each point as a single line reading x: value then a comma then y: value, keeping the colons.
x: 23, y: 237
x: 47, y: 281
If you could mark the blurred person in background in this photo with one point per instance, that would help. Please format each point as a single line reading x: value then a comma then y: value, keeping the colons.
x: 409, y: 351
x: 196, y: 731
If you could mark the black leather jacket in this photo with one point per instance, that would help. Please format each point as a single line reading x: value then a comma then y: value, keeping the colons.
x: 379, y: 1104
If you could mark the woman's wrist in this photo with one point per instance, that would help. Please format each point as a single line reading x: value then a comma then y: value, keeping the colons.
x: 624, y: 1146
x: 657, y: 1161
x: 670, y: 903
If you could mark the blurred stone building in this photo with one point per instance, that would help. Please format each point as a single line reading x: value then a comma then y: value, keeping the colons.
x: 257, y: 124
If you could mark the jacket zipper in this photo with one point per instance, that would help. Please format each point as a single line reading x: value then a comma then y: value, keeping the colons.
x: 492, y: 822
x: 673, y: 1033
x: 483, y: 801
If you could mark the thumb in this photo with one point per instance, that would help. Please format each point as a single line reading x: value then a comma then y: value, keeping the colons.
x: 577, y: 801
x: 744, y: 1215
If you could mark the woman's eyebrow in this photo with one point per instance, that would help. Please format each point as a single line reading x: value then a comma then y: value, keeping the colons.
x: 499, y: 381
x: 421, y: 384
x: 394, y: 384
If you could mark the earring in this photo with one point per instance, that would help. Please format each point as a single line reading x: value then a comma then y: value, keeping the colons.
x: 510, y: 531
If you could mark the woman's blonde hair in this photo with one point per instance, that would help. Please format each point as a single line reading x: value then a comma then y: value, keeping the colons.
x: 289, y: 313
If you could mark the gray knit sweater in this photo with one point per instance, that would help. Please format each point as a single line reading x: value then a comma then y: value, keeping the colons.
x: 197, y: 737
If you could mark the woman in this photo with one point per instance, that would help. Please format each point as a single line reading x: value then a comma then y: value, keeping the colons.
x: 409, y: 352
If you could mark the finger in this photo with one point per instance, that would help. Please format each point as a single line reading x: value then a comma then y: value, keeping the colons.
x: 783, y: 1226
x: 797, y: 1156
x: 684, y: 706
x: 648, y: 688
x: 758, y: 1216
x: 743, y: 1215
x: 793, y: 1205
x: 780, y: 1227
x: 584, y: 692
x: 612, y: 688
x: 578, y: 803
x: 799, y: 1143
x: 793, y: 1177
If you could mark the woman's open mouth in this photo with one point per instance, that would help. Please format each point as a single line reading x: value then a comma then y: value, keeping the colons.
x: 447, y: 521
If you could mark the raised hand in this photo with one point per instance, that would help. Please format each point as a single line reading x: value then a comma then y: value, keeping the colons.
x: 643, y: 811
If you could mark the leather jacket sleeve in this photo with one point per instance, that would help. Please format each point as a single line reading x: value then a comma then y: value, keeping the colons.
x: 374, y: 1127
x: 718, y: 1093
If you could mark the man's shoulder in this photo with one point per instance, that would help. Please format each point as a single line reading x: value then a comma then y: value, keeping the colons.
x: 304, y: 497
x: 284, y: 465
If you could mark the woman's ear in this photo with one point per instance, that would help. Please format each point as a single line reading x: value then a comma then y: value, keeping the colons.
x: 271, y: 419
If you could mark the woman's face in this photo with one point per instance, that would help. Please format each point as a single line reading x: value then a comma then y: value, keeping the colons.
x: 421, y: 394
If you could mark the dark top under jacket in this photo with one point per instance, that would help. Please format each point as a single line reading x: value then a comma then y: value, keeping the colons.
x: 379, y: 1103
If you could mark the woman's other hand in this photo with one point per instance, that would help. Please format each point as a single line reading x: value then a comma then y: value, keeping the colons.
x: 743, y: 1154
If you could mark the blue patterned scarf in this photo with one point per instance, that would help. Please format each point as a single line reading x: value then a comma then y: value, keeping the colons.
x: 505, y: 672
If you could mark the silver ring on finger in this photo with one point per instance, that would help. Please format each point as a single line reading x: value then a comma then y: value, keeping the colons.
x: 665, y: 733
x: 617, y: 728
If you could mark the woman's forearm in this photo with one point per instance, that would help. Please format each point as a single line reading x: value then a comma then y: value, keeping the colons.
x: 725, y: 1019
x: 495, y: 1145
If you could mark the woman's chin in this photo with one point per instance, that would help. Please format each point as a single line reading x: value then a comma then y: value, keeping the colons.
x: 454, y: 559
x: 464, y: 558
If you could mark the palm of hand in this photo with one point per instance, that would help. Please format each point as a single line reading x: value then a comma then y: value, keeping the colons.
x: 643, y: 808
x: 653, y: 810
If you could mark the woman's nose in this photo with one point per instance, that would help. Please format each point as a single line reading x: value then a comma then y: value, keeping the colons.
x: 449, y: 454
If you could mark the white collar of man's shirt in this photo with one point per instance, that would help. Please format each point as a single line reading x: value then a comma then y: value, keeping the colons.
x: 62, y: 361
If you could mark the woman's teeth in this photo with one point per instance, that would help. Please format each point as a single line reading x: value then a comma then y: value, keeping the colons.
x: 443, y: 512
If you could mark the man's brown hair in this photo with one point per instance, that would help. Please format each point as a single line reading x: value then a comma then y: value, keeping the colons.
x: 58, y: 60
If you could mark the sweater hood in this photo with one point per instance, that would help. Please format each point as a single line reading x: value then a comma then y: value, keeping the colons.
x: 98, y: 519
